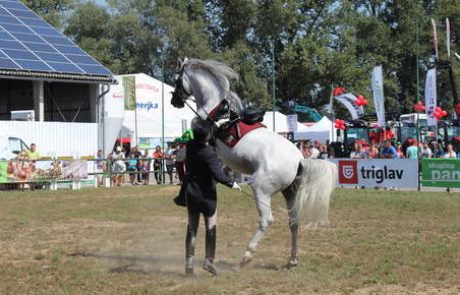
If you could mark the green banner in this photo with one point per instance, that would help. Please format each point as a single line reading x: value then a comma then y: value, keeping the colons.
x: 3, y: 171
x: 441, y: 172
x: 129, y: 83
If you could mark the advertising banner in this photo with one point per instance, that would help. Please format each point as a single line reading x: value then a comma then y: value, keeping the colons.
x: 26, y: 170
x: 377, y: 172
x: 430, y: 97
x: 441, y: 172
x: 348, y: 100
x: 129, y: 83
x: 377, y: 91
x: 291, y: 122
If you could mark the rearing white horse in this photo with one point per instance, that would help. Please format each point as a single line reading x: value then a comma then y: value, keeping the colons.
x: 275, y: 164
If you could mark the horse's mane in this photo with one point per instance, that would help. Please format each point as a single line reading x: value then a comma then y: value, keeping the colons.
x: 223, y: 74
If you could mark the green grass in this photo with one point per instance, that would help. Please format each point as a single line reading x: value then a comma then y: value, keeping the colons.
x: 130, y: 240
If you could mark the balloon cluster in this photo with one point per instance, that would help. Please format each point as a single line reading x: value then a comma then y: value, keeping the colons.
x: 419, y: 107
x: 439, y: 113
x: 340, y: 124
x: 360, y: 101
x: 338, y: 90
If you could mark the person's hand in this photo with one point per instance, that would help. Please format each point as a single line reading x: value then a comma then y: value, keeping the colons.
x: 221, y: 122
x: 236, y: 186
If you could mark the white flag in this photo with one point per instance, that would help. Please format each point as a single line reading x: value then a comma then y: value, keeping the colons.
x: 448, y: 37
x: 348, y: 100
x: 435, y: 39
x: 377, y: 91
x: 430, y: 96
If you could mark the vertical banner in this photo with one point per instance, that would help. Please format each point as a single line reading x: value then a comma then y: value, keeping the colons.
x: 291, y: 121
x: 377, y: 91
x: 435, y: 39
x: 330, y: 108
x: 448, y: 37
x: 430, y: 96
x: 348, y: 100
x: 129, y: 82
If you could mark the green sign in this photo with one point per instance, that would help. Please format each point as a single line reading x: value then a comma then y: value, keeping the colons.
x: 129, y: 83
x: 3, y: 171
x: 441, y: 172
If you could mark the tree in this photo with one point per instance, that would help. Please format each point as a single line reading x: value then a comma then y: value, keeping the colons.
x: 51, y: 10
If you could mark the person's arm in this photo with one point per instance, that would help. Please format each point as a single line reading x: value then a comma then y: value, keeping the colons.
x: 215, y: 166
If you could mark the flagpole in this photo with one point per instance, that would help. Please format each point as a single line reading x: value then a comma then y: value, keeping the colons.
x: 273, y: 83
x: 418, y: 98
x: 418, y: 78
x: 331, y: 106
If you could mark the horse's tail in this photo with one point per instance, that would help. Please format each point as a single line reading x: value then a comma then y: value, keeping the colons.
x: 316, y: 183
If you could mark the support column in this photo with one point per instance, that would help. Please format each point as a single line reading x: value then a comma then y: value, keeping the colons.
x: 39, y: 101
x: 94, y: 91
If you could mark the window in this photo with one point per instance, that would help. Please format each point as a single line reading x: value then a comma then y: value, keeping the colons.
x: 17, y: 145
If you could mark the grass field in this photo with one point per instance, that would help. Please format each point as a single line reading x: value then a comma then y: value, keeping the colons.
x: 131, y: 241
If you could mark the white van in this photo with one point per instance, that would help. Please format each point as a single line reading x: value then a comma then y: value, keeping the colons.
x: 10, y: 146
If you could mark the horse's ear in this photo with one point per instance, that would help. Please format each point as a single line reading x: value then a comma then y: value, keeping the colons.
x: 179, y: 63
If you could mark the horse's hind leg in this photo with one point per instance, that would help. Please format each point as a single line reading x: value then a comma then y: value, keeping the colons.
x: 266, y: 219
x: 290, y: 195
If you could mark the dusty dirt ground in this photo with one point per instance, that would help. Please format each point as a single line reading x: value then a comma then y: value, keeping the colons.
x: 131, y: 241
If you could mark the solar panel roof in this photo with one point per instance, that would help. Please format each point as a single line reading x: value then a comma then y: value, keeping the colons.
x: 30, y: 45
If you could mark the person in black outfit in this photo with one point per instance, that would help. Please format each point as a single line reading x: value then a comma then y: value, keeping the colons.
x: 204, y: 168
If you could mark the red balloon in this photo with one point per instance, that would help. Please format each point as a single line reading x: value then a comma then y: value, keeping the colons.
x: 422, y: 108
x: 337, y: 126
x: 365, y: 102
x: 360, y: 97
x: 438, y: 109
x: 443, y: 113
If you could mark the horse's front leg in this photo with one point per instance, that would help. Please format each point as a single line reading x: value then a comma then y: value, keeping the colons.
x: 266, y: 219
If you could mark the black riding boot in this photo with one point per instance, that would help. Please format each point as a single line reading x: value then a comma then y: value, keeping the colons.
x: 208, y: 263
x: 189, y: 250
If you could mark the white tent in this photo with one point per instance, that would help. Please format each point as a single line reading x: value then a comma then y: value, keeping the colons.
x: 281, y: 122
x: 322, y: 131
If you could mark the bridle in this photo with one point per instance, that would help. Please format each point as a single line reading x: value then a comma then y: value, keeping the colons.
x: 181, y: 95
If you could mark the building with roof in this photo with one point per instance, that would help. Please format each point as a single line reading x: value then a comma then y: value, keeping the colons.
x: 46, y: 76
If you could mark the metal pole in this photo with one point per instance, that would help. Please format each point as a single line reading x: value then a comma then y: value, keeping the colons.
x: 418, y: 98
x: 162, y: 115
x: 273, y: 83
x: 135, y: 123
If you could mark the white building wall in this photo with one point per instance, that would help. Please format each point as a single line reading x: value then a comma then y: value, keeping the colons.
x: 56, y: 138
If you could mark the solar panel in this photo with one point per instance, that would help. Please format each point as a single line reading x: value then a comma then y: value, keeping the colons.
x: 8, y: 64
x: 29, y: 43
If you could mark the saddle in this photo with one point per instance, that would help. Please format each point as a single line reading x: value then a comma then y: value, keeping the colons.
x: 240, y: 125
x: 251, y: 116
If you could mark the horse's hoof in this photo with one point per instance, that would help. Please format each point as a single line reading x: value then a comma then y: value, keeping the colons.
x: 245, y: 261
x: 292, y: 263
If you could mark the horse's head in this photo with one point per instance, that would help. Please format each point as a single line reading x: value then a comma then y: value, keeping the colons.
x: 182, y: 89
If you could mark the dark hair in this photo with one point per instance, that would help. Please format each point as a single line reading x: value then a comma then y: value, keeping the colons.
x: 202, y: 130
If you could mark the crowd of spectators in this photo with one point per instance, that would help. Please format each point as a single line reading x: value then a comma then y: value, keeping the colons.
x: 385, y: 150
x: 137, y: 166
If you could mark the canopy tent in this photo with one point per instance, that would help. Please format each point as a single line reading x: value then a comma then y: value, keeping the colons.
x: 147, y: 114
x: 322, y: 131
x: 281, y: 122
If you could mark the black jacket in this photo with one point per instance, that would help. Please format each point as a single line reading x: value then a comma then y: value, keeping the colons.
x: 203, y: 168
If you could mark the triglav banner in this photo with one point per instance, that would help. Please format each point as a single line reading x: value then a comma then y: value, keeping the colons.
x: 377, y: 91
x: 430, y: 96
